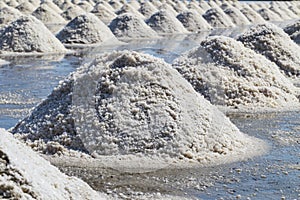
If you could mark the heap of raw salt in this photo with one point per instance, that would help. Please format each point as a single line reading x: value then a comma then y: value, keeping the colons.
x: 269, y: 15
x: 127, y: 8
x: 28, y: 35
x: 132, y: 104
x: 147, y: 9
x: 272, y: 42
x: 193, y: 22
x: 26, y: 8
x: 252, y: 15
x: 103, y: 13
x: 72, y: 12
x: 129, y: 26
x: 86, y: 29
x: 235, y: 15
x: 217, y: 19
x: 231, y: 75
x: 48, y: 16
x: 86, y: 6
x: 8, y: 14
x: 293, y: 30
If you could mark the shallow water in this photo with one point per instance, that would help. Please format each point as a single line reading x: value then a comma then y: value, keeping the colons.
x: 28, y: 80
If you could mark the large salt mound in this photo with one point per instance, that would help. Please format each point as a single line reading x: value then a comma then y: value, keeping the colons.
x: 8, y: 14
x: 236, y: 16
x: 164, y: 23
x: 25, y: 175
x: 293, y: 30
x: 231, y: 75
x: 217, y: 19
x: 252, y: 15
x: 86, y: 29
x: 127, y: 103
x: 103, y: 13
x: 193, y: 22
x: 272, y: 42
x: 28, y: 35
x: 72, y: 12
x: 48, y: 16
x: 129, y: 26
x: 147, y: 9
x: 269, y: 15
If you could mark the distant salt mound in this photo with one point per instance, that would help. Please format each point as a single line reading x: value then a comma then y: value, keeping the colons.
x: 129, y: 26
x: 26, y: 8
x: 164, y: 23
x: 28, y: 35
x: 126, y: 104
x: 180, y: 7
x: 269, y: 15
x: 103, y: 13
x: 52, y: 5
x: 281, y: 13
x: 231, y: 75
x: 272, y: 42
x: 65, y: 5
x: 252, y: 16
x: 217, y: 19
x: 72, y: 12
x: 86, y: 6
x: 127, y: 8
x: 168, y: 8
x: 147, y: 9
x: 86, y: 29
x: 193, y: 22
x: 204, y: 5
x: 293, y: 30
x: 8, y: 14
x: 48, y: 16
x: 25, y: 175
x: 194, y: 6
x: 236, y: 16
x: 115, y: 4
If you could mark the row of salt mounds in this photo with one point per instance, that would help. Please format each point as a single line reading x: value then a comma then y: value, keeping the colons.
x: 25, y: 175
x: 252, y: 15
x: 164, y: 23
x: 269, y: 15
x: 272, y: 42
x: 132, y: 104
x: 231, y: 75
x: 293, y: 30
x: 29, y: 35
x: 217, y: 18
x: 193, y: 22
x: 86, y: 29
x: 129, y: 26
x: 235, y: 15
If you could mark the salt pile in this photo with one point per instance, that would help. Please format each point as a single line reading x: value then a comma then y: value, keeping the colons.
x: 269, y: 15
x: 26, y: 8
x: 47, y: 15
x: 294, y: 31
x: 147, y: 9
x: 25, y: 175
x: 272, y: 42
x: 252, y: 15
x: 231, y: 75
x: 115, y: 4
x: 52, y: 5
x: 72, y: 12
x: 132, y: 104
x: 103, y: 13
x: 194, y: 6
x: 127, y: 8
x: 85, y: 6
x: 203, y: 4
x: 193, y: 22
x: 217, y: 19
x: 168, y: 8
x: 86, y: 29
x: 236, y: 16
x: 165, y: 23
x: 28, y: 35
x: 8, y: 14
x: 283, y: 15
x: 129, y: 26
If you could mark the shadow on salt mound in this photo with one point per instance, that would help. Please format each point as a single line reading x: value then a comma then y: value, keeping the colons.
x: 293, y: 30
x: 269, y: 15
x: 236, y: 78
x: 8, y: 14
x: 18, y: 180
x: 165, y: 23
x: 128, y: 26
x: 217, y: 19
x: 193, y: 22
x: 86, y: 30
x: 28, y: 35
x: 47, y: 15
x: 127, y: 106
x: 272, y: 42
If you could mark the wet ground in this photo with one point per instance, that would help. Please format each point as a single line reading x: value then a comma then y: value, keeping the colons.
x: 276, y: 175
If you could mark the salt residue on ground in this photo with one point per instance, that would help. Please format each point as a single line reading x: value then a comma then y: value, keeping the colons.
x: 272, y: 42
x: 86, y: 29
x: 193, y: 22
x: 232, y: 76
x: 218, y: 19
x: 127, y: 106
x: 25, y: 175
x: 29, y: 35
x: 128, y: 26
x: 165, y: 23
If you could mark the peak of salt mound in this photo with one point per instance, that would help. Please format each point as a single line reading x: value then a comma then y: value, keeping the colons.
x: 165, y: 23
x: 272, y: 42
x: 127, y: 8
x: 269, y: 15
x: 128, y: 103
x: 103, y: 13
x: 252, y: 15
x: 86, y: 29
x: 293, y: 30
x: 236, y: 16
x: 47, y: 15
x: 29, y: 35
x: 231, y: 75
x: 194, y: 6
x: 147, y: 9
x: 193, y: 22
x: 129, y: 26
x: 72, y: 12
x: 26, y: 8
x: 217, y: 19
x: 8, y: 14
x: 168, y: 8
x: 26, y: 175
